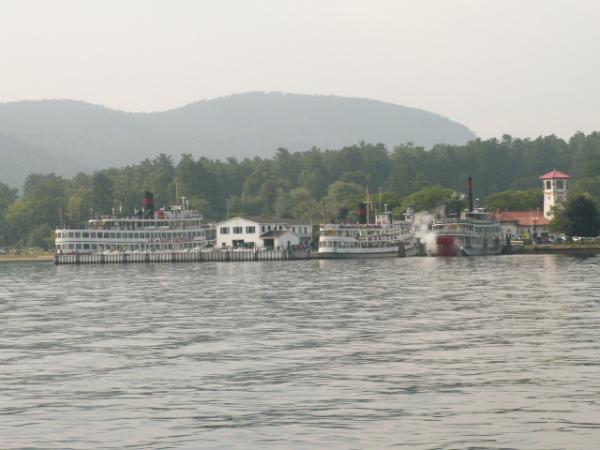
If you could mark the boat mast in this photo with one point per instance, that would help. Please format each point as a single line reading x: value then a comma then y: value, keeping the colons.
x: 470, y: 193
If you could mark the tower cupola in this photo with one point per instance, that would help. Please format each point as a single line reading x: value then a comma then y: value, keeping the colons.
x: 555, y: 190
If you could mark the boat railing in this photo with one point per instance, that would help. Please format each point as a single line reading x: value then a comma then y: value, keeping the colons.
x: 356, y: 226
x: 450, y: 220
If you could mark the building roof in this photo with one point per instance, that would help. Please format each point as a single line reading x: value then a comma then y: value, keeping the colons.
x: 555, y: 174
x: 269, y: 220
x: 523, y: 218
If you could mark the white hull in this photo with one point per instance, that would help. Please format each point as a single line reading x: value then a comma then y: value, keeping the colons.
x: 344, y: 253
x: 470, y: 251
x: 361, y: 253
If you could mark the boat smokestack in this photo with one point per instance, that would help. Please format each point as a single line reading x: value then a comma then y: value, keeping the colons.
x: 470, y: 193
x: 148, y: 205
x: 362, y: 213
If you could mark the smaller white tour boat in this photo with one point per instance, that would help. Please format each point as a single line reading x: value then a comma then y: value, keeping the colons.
x: 383, y: 238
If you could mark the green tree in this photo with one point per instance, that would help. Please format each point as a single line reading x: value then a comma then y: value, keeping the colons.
x: 8, y: 196
x: 590, y: 185
x: 37, y: 212
x: 359, y: 177
x: 430, y: 198
x: 78, y: 206
x: 515, y: 200
x: 161, y: 179
x: 578, y: 217
x: 18, y: 220
x: 40, y: 236
x: 342, y: 199
x: 102, y: 194
x: 297, y: 204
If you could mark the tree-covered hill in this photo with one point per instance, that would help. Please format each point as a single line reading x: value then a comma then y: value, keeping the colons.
x: 70, y: 136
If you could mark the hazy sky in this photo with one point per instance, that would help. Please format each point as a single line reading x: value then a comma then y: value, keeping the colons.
x: 523, y: 67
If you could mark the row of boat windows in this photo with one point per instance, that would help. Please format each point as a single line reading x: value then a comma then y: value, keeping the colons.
x: 142, y: 224
x: 263, y: 229
x: 481, y: 242
x: 127, y: 235
x: 352, y: 233
x: 470, y: 234
x: 465, y: 229
x: 66, y: 248
x: 360, y: 244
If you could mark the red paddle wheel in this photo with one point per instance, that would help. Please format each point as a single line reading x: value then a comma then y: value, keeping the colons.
x: 446, y: 246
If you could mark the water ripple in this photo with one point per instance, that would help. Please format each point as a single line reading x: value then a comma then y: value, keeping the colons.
x: 417, y: 353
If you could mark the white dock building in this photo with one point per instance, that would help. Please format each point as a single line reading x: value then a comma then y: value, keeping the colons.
x: 262, y: 232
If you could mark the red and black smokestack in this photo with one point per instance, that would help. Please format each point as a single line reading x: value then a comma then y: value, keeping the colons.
x: 470, y: 193
x: 362, y: 213
x: 148, y: 205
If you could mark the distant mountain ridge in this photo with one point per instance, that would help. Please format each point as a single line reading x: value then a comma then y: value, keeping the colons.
x: 67, y: 136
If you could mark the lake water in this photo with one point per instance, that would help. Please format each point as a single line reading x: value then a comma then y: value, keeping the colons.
x: 415, y: 353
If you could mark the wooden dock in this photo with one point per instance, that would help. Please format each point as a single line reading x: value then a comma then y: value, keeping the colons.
x: 175, y: 256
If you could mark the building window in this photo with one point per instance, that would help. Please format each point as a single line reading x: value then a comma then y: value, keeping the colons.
x: 262, y: 229
x: 237, y: 230
x: 559, y: 184
x: 77, y: 234
x: 269, y: 227
x: 224, y: 230
x: 548, y: 184
x: 250, y: 230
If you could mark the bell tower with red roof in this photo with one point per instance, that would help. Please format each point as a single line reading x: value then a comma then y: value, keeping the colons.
x: 555, y: 190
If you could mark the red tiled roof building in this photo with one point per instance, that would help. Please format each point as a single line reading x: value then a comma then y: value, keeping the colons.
x: 529, y: 224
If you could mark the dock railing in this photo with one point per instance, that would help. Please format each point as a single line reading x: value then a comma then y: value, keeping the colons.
x: 174, y: 256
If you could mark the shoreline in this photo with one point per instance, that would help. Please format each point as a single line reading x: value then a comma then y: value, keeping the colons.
x: 573, y: 249
x: 535, y: 250
x: 27, y: 258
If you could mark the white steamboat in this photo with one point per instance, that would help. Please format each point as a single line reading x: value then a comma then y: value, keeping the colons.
x: 475, y: 232
x: 174, y: 228
x: 380, y: 239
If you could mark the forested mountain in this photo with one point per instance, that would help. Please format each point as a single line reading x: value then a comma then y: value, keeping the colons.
x: 68, y: 136
x: 318, y: 185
